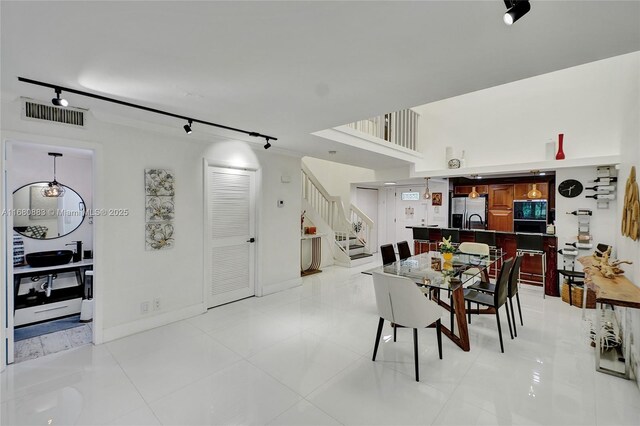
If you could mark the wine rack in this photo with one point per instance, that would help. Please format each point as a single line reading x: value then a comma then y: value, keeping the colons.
x: 604, y: 187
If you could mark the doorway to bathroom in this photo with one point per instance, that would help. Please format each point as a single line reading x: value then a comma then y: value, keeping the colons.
x: 50, y: 240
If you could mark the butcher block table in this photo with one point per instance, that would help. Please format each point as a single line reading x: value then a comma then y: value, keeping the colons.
x: 618, y: 291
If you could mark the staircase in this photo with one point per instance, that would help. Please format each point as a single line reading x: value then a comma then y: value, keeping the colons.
x: 351, y: 233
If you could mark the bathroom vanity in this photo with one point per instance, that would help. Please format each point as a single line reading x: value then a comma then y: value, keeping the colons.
x: 61, y: 302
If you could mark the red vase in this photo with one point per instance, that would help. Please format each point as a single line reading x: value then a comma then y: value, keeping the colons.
x: 560, y: 154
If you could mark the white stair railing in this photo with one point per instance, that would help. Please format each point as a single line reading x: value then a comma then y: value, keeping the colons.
x: 330, y: 208
x: 362, y: 226
x: 399, y: 128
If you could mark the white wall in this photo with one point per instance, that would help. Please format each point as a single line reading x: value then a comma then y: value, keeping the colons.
x: 602, y: 222
x: 512, y: 123
x: 337, y: 178
x: 630, y: 151
x: 126, y: 274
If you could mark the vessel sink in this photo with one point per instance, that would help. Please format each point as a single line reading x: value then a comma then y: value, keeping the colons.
x: 42, y: 259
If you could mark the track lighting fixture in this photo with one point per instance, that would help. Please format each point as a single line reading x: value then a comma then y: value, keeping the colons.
x: 58, y: 101
x: 187, y: 127
x: 516, y: 9
x: 53, y: 188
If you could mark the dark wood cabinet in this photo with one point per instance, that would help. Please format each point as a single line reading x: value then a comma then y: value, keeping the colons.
x: 521, y: 190
x: 500, y: 220
x: 500, y: 208
x: 500, y: 197
x: 466, y: 189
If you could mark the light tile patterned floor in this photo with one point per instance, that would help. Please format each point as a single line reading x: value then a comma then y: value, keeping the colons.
x: 51, y: 343
x: 303, y: 356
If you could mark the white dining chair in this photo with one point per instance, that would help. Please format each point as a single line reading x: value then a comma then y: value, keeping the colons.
x: 401, y: 302
x: 477, y: 249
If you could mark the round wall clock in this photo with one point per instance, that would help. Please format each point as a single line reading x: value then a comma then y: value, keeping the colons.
x: 570, y: 188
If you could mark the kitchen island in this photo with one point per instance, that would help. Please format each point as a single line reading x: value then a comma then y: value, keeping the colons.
x: 507, y: 242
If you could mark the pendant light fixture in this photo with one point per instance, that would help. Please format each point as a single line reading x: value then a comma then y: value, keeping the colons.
x: 53, y: 188
x: 473, y: 194
x: 534, y: 192
x: 427, y: 193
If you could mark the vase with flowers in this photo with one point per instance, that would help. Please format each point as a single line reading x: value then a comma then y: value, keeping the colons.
x: 447, y: 249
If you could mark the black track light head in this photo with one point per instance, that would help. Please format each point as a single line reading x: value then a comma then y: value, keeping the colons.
x: 267, y: 145
x: 58, y: 101
x: 187, y: 127
x: 516, y: 9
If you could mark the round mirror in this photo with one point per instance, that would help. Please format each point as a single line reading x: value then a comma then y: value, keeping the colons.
x: 45, y: 218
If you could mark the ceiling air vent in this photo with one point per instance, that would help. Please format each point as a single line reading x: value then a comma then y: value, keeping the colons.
x: 37, y: 111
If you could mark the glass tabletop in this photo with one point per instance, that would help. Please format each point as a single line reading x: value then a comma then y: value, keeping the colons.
x: 431, y: 270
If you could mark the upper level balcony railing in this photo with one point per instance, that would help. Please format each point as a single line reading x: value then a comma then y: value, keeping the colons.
x: 399, y: 128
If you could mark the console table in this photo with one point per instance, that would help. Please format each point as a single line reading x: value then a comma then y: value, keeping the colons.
x: 618, y: 291
x: 316, y: 254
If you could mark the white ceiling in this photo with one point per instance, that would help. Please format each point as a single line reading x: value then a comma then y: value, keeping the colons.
x: 291, y: 68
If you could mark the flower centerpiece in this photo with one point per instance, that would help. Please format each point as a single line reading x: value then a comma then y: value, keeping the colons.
x: 446, y: 248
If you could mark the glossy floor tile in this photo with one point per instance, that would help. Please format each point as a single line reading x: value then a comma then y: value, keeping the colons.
x: 303, y: 357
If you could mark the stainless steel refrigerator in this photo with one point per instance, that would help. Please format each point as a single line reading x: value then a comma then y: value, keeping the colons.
x: 468, y: 213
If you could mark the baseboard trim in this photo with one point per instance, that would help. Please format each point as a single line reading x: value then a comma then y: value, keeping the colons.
x: 130, y: 328
x: 282, y: 285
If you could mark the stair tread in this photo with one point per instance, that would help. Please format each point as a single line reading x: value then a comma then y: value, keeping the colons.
x: 355, y: 246
x: 342, y: 238
x: 360, y: 256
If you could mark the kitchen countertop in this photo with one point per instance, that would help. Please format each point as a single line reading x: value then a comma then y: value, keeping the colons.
x: 473, y: 230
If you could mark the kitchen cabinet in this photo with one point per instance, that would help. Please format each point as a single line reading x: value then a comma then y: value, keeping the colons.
x: 500, y: 197
x: 500, y: 220
x: 500, y: 216
x: 522, y: 189
x: 466, y: 189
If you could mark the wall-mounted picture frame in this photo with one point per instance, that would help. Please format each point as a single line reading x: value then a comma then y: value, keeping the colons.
x: 436, y: 198
x: 159, y: 187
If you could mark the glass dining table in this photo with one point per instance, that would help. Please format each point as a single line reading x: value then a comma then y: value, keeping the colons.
x: 432, y: 272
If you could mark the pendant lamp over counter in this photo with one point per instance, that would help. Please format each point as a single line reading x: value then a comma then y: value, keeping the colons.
x: 534, y: 192
x: 474, y: 193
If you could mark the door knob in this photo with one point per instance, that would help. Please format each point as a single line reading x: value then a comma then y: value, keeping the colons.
x: 251, y: 240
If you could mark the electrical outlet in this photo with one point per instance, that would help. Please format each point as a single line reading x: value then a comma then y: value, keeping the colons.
x: 144, y: 308
x: 156, y: 304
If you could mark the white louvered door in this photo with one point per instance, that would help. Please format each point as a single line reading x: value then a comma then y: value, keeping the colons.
x: 231, y: 227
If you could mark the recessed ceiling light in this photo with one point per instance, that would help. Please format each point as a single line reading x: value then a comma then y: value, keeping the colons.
x: 542, y: 173
x: 389, y: 183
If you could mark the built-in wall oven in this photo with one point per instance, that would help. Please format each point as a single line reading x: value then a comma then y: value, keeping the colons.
x: 530, y: 216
